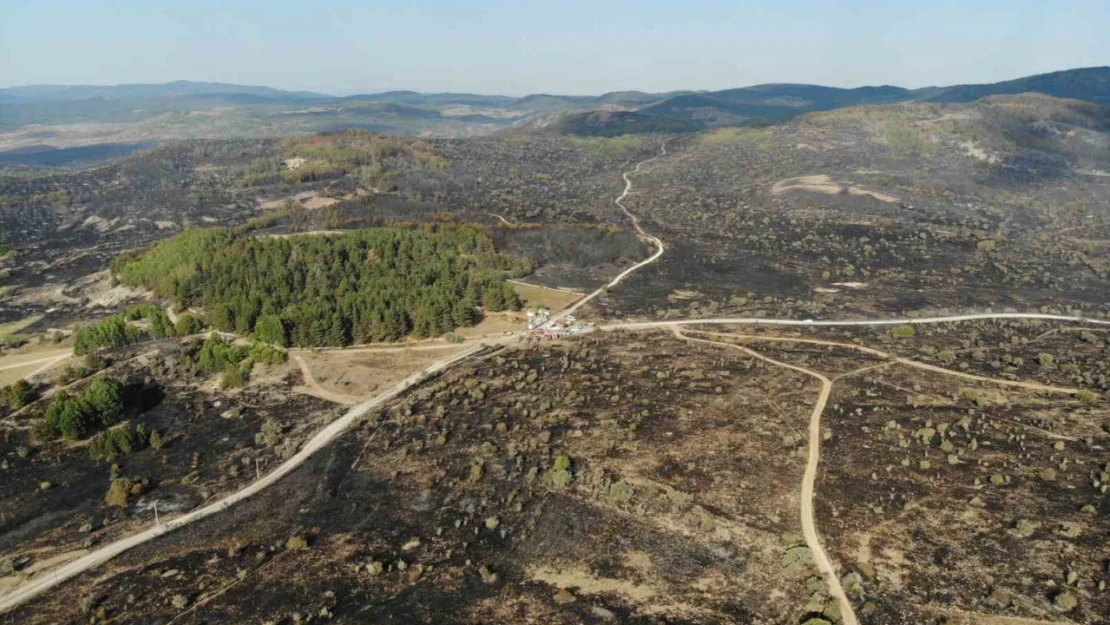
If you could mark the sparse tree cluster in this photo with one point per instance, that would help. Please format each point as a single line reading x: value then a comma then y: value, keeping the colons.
x: 99, y: 405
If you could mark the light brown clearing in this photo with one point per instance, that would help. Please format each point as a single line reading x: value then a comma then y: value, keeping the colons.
x: 495, y: 324
x: 319, y: 202
x: 348, y: 376
x: 822, y: 183
x: 15, y: 367
x: 584, y: 582
x: 535, y: 296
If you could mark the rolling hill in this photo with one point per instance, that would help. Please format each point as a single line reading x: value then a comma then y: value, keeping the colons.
x: 185, y: 109
x: 776, y: 102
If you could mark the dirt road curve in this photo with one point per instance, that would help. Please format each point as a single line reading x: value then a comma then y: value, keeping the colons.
x: 809, y: 478
x: 319, y: 391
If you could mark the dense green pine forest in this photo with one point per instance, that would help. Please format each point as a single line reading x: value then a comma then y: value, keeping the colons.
x: 378, y: 284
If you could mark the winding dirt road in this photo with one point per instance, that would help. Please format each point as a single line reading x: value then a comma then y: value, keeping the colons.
x: 639, y: 231
x: 809, y: 478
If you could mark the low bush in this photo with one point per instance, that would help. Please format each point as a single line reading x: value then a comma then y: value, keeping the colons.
x: 17, y: 395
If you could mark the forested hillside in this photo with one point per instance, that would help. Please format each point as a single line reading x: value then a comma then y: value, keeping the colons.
x: 378, y: 284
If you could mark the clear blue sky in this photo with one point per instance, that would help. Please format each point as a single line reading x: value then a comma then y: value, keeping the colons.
x: 490, y: 46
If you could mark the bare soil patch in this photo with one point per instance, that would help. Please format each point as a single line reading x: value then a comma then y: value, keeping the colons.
x: 358, y: 372
x: 536, y: 296
x: 822, y: 183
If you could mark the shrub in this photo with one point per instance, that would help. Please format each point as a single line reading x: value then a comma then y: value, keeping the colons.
x: 560, y: 474
x: 41, y: 431
x: 270, y: 329
x: 117, y: 441
x: 905, y: 332
x: 156, y: 441
x: 1065, y: 601
x: 110, y: 333
x: 67, y: 416
x: 1086, y: 396
x: 234, y: 377
x: 188, y: 324
x: 271, y: 432
x: 69, y: 375
x: 267, y: 355
x: 17, y: 395
x: 100, y: 404
x: 119, y: 492
x: 160, y: 325
x: 217, y: 355
x: 95, y: 362
x: 104, y: 399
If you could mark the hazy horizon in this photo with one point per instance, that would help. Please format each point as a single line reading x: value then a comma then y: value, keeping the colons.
x: 551, y: 92
x: 492, y: 47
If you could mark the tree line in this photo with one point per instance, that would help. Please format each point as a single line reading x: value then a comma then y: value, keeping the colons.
x: 378, y: 284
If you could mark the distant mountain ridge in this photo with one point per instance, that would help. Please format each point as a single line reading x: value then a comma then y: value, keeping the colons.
x: 1091, y: 84
x: 265, y: 111
x: 776, y: 102
x: 177, y: 88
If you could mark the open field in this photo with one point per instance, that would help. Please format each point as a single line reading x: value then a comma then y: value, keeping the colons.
x: 31, y: 354
x: 536, y: 296
x: 14, y: 368
x: 494, y: 324
x: 356, y: 373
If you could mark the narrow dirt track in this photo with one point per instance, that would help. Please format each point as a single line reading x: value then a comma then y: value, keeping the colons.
x: 49, y: 360
x: 1032, y: 386
x: 402, y: 347
x: 809, y: 478
x: 639, y: 231
x: 319, y: 391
